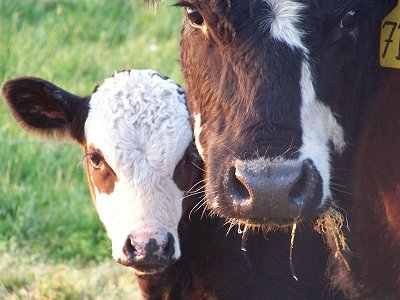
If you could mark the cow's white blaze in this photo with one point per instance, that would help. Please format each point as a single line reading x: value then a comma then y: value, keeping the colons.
x: 319, y: 127
x: 283, y: 21
x: 140, y: 124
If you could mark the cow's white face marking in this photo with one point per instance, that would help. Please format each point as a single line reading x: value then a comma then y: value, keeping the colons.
x: 283, y: 21
x: 140, y: 124
x: 319, y: 127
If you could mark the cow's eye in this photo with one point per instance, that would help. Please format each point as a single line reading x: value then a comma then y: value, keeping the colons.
x: 349, y: 20
x: 194, y: 17
x: 95, y: 160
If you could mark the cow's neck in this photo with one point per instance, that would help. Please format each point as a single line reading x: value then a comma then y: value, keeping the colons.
x: 371, y: 186
x: 376, y: 207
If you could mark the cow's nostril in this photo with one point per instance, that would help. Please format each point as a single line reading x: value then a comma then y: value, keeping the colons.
x: 304, y: 186
x: 168, y: 247
x: 129, y: 247
x: 236, y: 188
x: 298, y: 190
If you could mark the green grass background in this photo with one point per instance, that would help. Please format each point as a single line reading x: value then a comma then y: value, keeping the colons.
x: 52, y: 245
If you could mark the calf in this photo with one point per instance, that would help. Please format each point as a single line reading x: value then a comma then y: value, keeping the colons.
x: 133, y: 130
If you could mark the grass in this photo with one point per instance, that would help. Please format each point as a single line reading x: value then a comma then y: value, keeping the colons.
x: 50, y: 236
x: 32, y: 279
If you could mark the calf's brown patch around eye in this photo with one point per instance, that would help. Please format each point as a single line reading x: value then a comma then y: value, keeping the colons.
x: 103, y: 178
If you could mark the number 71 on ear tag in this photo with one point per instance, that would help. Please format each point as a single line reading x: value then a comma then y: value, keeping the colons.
x: 390, y: 39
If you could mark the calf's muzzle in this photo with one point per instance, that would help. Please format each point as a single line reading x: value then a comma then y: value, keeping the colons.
x: 148, y: 255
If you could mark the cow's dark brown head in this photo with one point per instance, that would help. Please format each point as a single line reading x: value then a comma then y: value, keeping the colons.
x: 278, y: 90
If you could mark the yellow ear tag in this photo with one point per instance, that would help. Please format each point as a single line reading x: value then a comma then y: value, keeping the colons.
x: 390, y: 39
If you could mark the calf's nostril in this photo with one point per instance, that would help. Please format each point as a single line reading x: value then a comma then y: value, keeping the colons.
x: 169, y: 248
x: 236, y: 187
x: 129, y: 247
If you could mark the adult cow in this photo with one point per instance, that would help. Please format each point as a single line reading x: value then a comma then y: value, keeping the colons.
x: 134, y: 130
x: 280, y: 92
x: 376, y: 222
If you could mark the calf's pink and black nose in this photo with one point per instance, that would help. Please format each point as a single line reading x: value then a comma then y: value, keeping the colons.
x: 149, y: 255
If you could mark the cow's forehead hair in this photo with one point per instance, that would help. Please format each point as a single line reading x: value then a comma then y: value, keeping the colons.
x: 283, y: 21
x: 252, y: 4
x: 329, y: 4
x: 140, y: 122
x: 283, y: 18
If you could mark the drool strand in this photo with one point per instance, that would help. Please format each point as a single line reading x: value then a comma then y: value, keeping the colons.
x: 292, y: 268
x: 239, y: 230
x: 245, y: 236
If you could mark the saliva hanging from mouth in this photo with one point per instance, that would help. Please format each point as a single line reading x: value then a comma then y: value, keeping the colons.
x: 292, y: 268
x: 245, y: 236
x: 245, y: 232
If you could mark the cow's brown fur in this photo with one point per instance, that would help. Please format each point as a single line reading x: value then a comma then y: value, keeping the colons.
x: 376, y: 210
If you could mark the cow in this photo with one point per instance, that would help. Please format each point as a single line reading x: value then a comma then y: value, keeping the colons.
x: 375, y: 224
x: 280, y: 92
x: 135, y: 133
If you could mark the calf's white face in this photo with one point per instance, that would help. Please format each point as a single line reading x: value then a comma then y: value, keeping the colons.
x: 134, y: 129
x: 138, y: 128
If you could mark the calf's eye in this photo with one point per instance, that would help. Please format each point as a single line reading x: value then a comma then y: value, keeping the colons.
x: 194, y: 17
x: 96, y: 160
x: 349, y: 20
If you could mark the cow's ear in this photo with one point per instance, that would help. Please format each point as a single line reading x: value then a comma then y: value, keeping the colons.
x: 45, y: 108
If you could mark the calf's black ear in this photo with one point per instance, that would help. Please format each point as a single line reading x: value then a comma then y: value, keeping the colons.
x: 45, y: 108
